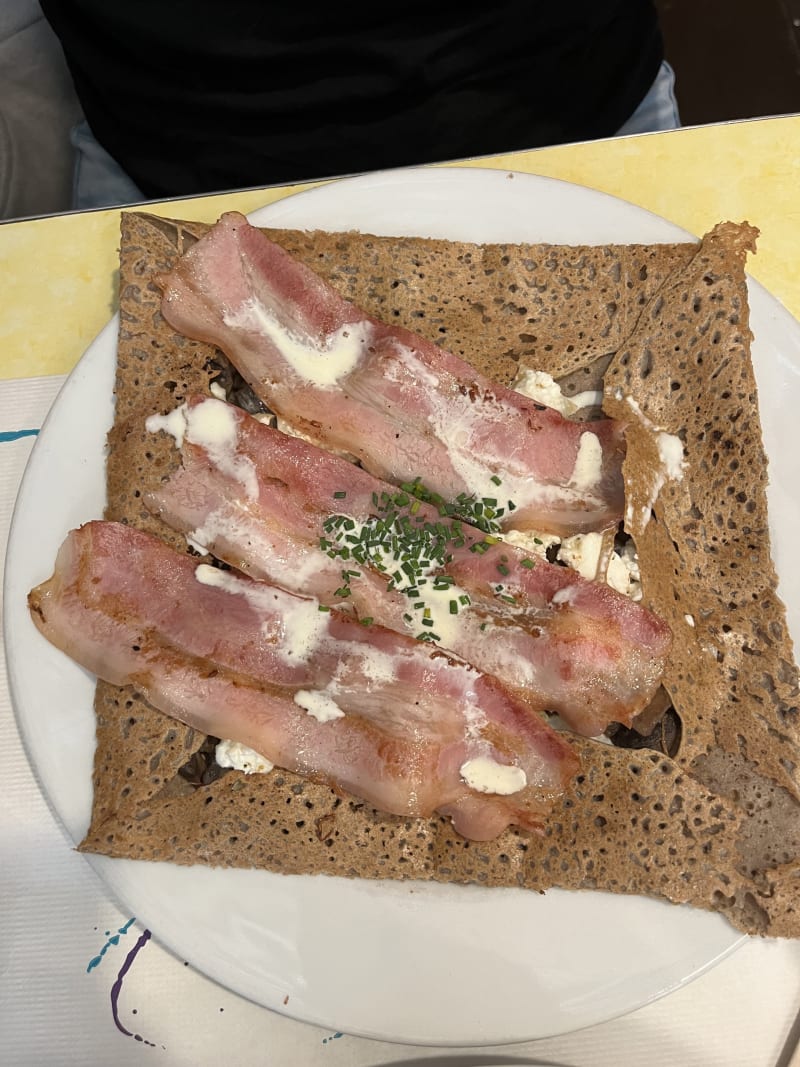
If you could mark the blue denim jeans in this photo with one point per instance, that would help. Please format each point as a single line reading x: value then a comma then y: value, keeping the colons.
x: 99, y: 181
x: 658, y: 110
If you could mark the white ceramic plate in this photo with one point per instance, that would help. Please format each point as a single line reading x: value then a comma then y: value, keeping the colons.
x: 416, y: 963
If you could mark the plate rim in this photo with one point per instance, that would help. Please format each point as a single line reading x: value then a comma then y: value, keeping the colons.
x: 262, y: 216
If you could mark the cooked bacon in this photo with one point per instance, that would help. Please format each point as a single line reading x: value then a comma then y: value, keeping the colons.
x: 392, y: 721
x: 397, y: 402
x: 565, y: 644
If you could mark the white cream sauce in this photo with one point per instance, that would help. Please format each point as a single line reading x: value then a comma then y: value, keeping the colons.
x: 211, y: 425
x: 542, y: 388
x: 565, y: 595
x: 318, y: 704
x: 446, y: 625
x: 296, y: 623
x: 588, y: 463
x: 227, y: 525
x: 173, y: 423
x: 323, y: 363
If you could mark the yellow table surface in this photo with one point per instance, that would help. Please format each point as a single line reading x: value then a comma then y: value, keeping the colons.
x: 58, y: 273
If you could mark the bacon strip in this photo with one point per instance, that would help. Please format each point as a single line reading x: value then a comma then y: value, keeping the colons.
x: 250, y: 662
x: 400, y: 404
x: 258, y: 499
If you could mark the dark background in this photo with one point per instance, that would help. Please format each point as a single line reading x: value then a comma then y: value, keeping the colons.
x: 733, y: 59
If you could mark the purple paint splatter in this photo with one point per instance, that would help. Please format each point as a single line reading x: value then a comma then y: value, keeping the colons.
x: 116, y: 988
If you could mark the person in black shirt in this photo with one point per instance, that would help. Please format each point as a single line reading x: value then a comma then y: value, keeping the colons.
x: 190, y: 96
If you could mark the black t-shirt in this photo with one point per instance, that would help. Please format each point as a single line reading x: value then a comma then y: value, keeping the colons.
x: 195, y: 95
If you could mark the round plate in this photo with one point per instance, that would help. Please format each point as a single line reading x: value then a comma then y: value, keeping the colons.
x: 408, y: 962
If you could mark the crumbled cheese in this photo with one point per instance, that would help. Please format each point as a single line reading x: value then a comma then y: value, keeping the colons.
x: 623, y: 572
x: 582, y: 553
x: 532, y: 541
x: 484, y: 775
x: 241, y: 758
x: 670, y: 452
x: 218, y: 391
x: 544, y: 389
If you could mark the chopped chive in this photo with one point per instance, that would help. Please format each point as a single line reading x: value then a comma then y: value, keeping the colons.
x: 366, y: 621
x: 340, y: 495
x: 496, y: 480
x: 454, y: 607
x: 528, y: 564
x: 322, y: 607
x: 503, y: 569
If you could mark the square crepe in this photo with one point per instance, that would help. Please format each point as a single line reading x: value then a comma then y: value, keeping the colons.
x: 707, y: 814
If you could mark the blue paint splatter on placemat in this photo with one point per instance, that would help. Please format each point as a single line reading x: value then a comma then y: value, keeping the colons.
x: 116, y: 988
x: 113, y: 940
x: 15, y: 435
x: 333, y: 1037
